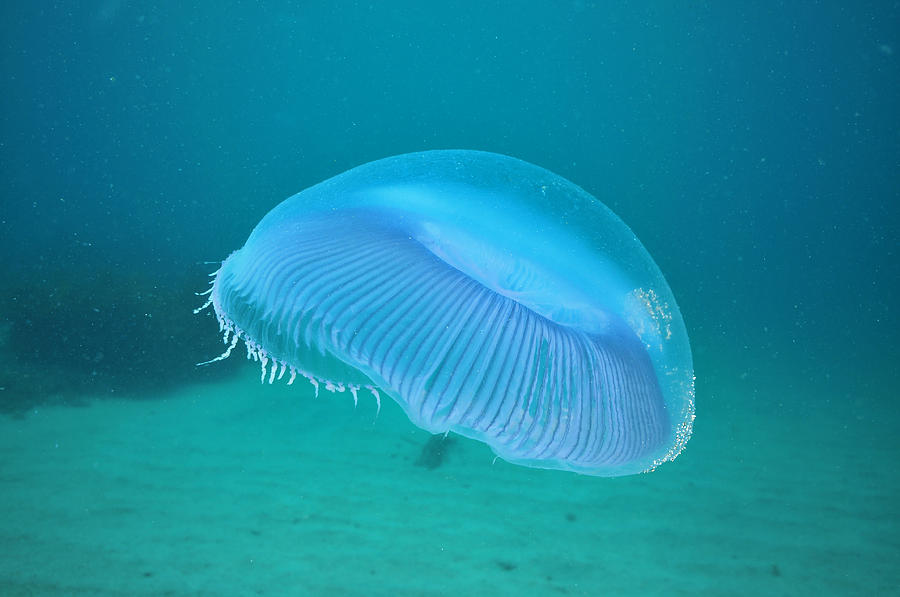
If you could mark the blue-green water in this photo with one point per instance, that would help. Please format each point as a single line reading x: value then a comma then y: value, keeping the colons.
x: 754, y: 150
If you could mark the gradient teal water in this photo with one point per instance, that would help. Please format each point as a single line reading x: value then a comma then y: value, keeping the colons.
x: 754, y: 150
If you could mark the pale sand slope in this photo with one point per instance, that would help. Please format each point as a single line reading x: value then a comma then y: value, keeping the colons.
x: 244, y: 489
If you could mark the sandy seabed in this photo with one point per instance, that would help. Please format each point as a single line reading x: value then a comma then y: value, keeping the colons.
x: 249, y: 489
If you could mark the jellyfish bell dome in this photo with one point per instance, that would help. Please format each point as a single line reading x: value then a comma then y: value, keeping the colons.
x: 485, y: 295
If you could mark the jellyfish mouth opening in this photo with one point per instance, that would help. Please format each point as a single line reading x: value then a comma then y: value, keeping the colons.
x: 272, y: 367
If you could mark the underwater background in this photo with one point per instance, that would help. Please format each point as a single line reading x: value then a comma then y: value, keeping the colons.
x: 754, y: 150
